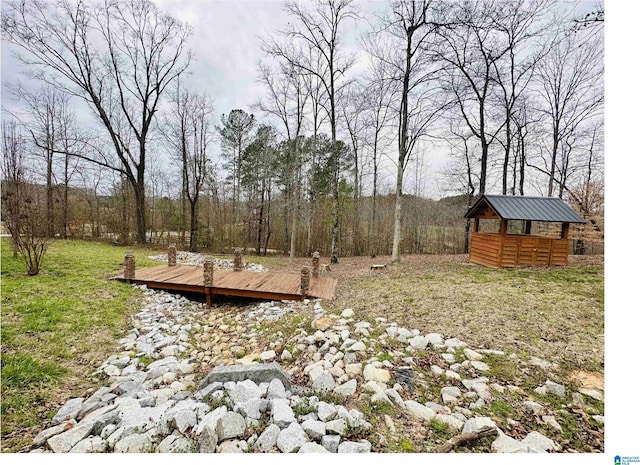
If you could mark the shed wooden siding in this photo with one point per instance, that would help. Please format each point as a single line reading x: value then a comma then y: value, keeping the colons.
x: 496, y: 250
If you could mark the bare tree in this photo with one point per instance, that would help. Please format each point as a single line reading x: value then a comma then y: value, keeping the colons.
x: 119, y: 57
x: 405, y: 47
x: 319, y: 28
x: 354, y: 118
x: 52, y: 127
x: 13, y: 178
x: 287, y: 97
x: 23, y: 208
x: 519, y: 23
x: 378, y: 114
x: 188, y: 130
x: 471, y: 48
x: 570, y: 87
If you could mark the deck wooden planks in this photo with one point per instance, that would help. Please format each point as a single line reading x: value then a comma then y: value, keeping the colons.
x: 268, y: 285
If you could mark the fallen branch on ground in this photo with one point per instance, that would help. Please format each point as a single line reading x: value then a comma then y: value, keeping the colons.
x: 461, y: 439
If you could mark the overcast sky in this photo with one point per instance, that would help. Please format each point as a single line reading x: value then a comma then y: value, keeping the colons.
x: 226, y: 50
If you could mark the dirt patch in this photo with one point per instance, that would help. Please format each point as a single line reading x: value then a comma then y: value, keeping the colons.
x: 588, y: 380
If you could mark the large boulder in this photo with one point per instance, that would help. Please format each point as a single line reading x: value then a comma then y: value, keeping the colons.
x: 258, y: 373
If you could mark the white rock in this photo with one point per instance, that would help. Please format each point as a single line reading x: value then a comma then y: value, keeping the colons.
x: 268, y: 356
x: 436, y: 370
x: 418, y: 410
x: 507, y: 445
x: 346, y: 389
x: 395, y: 397
x: 593, y: 393
x: 315, y: 429
x: 69, y: 411
x: 291, y: 438
x: 347, y: 313
x: 65, y: 441
x: 480, y: 366
x: 373, y: 387
x: 134, y: 443
x: 419, y: 342
x: 90, y: 445
x: 268, y: 438
x: 230, y: 425
x: 357, y: 347
x: 330, y: 442
x: 450, y: 374
x: 472, y: 354
x: 353, y: 369
x: 451, y: 421
x: 312, y: 448
x: 336, y: 426
x: 276, y: 389
x: 450, y: 394
x: 539, y: 441
x: 533, y: 406
x: 324, y: 382
x: 371, y: 373
x: 455, y: 343
x: 474, y: 424
x: 350, y: 447
x: 326, y: 411
x: 434, y: 339
x: 549, y: 420
x: 281, y: 413
x: 555, y: 388
x: 42, y: 436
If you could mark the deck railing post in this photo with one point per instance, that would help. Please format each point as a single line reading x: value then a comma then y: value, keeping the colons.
x: 208, y: 272
x: 315, y: 264
x: 129, y: 265
x: 237, y: 259
x: 304, y: 280
x: 208, y: 278
x: 171, y: 255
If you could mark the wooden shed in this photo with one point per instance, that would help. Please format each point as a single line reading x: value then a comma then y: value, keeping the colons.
x: 507, y: 249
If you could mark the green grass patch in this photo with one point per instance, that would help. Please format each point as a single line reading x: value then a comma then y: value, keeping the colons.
x: 57, y: 327
x: 19, y: 370
x: 440, y: 429
x: 402, y: 445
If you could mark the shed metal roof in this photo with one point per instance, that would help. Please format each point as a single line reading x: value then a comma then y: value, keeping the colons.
x: 512, y: 207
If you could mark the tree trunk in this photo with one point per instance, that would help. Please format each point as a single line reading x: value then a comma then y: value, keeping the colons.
x: 65, y: 199
x: 50, y: 226
x: 397, y: 220
x: 141, y: 228
x: 507, y: 157
x: 356, y: 207
x: 554, y: 155
x: 193, y: 233
x: 483, y: 165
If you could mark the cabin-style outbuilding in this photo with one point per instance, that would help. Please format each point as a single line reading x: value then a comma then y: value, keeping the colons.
x: 503, y: 248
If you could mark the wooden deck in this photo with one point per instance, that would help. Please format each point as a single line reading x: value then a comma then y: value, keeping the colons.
x: 260, y: 285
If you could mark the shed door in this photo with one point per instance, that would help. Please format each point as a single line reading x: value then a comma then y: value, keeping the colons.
x: 534, y: 251
x: 542, y: 251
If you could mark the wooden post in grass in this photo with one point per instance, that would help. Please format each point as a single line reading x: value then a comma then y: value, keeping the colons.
x: 304, y: 280
x: 315, y: 264
x: 129, y: 266
x: 237, y: 259
x: 171, y: 255
x: 208, y: 279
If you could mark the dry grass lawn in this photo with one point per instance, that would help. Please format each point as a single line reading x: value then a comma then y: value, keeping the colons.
x: 552, y: 313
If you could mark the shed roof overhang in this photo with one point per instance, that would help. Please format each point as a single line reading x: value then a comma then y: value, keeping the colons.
x: 511, y: 207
